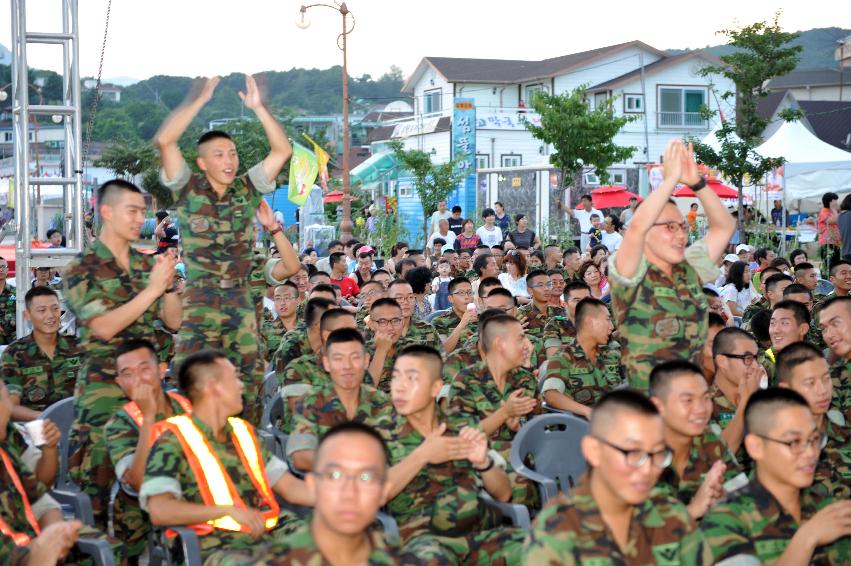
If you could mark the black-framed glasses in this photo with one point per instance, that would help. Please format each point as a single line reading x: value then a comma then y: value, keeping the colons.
x: 800, y: 445
x: 462, y: 293
x: 385, y: 322
x: 637, y: 458
x: 673, y: 227
x: 746, y: 358
x: 542, y: 285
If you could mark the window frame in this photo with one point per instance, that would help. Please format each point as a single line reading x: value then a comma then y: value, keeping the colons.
x: 518, y: 156
x: 683, y: 89
x: 634, y: 95
x: 431, y: 94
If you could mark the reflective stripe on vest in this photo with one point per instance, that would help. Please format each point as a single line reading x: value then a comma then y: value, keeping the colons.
x: 214, y: 482
x: 20, y: 539
x: 133, y: 411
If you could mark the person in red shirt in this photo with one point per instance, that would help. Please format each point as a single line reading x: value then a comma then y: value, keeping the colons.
x: 828, y: 230
x: 349, y: 288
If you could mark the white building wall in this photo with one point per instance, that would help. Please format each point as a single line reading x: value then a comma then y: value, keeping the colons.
x: 489, y: 95
x: 604, y: 69
x: 431, y: 80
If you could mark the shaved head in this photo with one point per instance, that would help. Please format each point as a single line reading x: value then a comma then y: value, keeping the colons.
x: 764, y: 406
x: 430, y: 357
x: 496, y: 327
x: 615, y: 404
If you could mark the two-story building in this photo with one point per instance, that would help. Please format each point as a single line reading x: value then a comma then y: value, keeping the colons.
x: 664, y: 92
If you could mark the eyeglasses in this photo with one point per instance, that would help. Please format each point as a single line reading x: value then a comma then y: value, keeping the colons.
x: 800, y: 445
x: 673, y: 227
x: 366, y: 479
x: 369, y: 294
x: 385, y: 322
x: 405, y: 299
x: 462, y: 293
x: 543, y: 285
x: 637, y: 458
x: 285, y: 299
x: 746, y: 359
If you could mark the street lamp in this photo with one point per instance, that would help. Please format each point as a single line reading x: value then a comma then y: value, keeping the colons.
x: 303, y: 22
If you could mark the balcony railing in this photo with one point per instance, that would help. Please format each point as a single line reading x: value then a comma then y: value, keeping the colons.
x: 681, y: 119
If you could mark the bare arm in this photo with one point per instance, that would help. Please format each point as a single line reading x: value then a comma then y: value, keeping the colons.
x: 20, y: 412
x: 135, y: 474
x: 735, y: 431
x: 289, y: 264
x: 496, y: 483
x: 293, y: 490
x: 159, y: 231
x: 493, y: 421
x: 169, y: 133
x: 171, y: 311
x: 565, y: 403
x: 166, y: 510
x: 280, y: 149
x: 628, y: 258
x: 303, y: 460
x: 721, y: 222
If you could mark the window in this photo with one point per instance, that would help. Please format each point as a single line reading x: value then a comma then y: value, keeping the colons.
x: 405, y: 189
x: 600, y: 99
x: 483, y: 161
x: 432, y: 100
x: 680, y: 107
x: 591, y: 179
x: 511, y: 160
x: 633, y: 103
x: 617, y: 177
x: 532, y: 90
x: 7, y: 136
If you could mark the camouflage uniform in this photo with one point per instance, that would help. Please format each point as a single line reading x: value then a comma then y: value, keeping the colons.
x: 558, y: 331
x: 833, y: 472
x: 840, y: 375
x: 463, y: 357
x: 293, y: 345
x: 473, y: 397
x: 36, y: 379
x: 446, y: 323
x: 94, y: 285
x: 419, y: 332
x: 301, y: 376
x: 168, y: 471
x: 571, y: 530
x: 217, y: 239
x: 299, y: 549
x: 704, y: 451
x: 572, y: 373
x: 12, y: 510
x: 723, y: 410
x: 441, y: 519
x: 661, y: 318
x: 131, y: 526
x: 321, y: 409
x: 750, y: 522
x: 272, y: 331
x: 8, y: 308
x: 537, y: 319
x: 753, y: 308
x: 11, y: 554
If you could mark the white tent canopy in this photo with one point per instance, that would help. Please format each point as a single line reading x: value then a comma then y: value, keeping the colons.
x: 812, y: 166
x: 711, y: 139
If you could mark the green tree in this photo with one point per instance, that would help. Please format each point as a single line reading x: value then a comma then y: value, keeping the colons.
x: 433, y: 182
x: 761, y: 53
x: 581, y: 136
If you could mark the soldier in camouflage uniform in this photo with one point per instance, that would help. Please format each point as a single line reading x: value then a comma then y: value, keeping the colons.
x: 498, y: 394
x: 370, y: 292
x: 702, y: 466
x: 340, y: 530
x: 659, y: 307
x: 285, y: 297
x: 802, y: 368
x: 8, y: 306
x: 392, y: 330
x: 42, y: 368
x: 295, y: 344
x: 774, y: 286
x: 457, y: 325
x: 586, y: 368
x: 216, y: 212
x: 835, y: 322
x: 344, y: 399
x: 761, y: 520
x: 25, y: 506
x: 139, y: 376
x: 561, y: 329
x: 538, y: 312
x: 441, y: 518
x: 117, y: 294
x: 171, y: 490
x: 626, y: 453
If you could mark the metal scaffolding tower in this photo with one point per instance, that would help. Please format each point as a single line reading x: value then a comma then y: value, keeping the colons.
x: 26, y: 181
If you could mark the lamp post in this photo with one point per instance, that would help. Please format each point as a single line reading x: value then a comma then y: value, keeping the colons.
x: 303, y: 22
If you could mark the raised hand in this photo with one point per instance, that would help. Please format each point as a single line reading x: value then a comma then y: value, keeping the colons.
x: 143, y: 396
x: 673, y: 162
x: 710, y: 491
x: 162, y: 275
x: 690, y: 173
x: 51, y: 433
x: 208, y: 89
x: 477, y: 442
x: 439, y: 448
x: 518, y: 404
x: 251, y: 96
x: 265, y: 216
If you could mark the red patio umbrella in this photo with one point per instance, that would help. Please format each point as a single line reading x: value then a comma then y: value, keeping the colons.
x: 716, y: 186
x: 336, y: 196
x: 612, y: 196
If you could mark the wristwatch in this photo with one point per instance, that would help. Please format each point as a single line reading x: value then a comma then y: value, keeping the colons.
x: 278, y: 230
x: 486, y: 468
x: 699, y: 185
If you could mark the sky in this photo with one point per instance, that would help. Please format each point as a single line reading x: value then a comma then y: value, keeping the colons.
x: 206, y: 37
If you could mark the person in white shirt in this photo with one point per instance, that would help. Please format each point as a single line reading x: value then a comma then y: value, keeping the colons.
x: 611, y: 236
x: 444, y: 232
x: 738, y: 292
x: 514, y: 279
x: 583, y: 216
x: 489, y: 234
x: 442, y: 213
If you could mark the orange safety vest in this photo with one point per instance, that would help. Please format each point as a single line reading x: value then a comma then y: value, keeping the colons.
x: 20, y: 539
x: 132, y: 409
x: 214, y: 482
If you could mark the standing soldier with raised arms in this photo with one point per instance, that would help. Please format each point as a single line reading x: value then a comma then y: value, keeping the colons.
x: 216, y: 212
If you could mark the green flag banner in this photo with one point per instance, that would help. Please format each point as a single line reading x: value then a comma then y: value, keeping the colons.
x: 304, y: 167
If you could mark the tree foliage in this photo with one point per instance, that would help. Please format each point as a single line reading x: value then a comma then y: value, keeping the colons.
x: 581, y: 136
x: 761, y: 53
x: 432, y: 182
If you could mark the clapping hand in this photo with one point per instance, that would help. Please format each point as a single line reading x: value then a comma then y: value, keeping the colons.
x: 251, y: 96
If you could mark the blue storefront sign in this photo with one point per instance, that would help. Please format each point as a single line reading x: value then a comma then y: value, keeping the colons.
x: 464, y: 143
